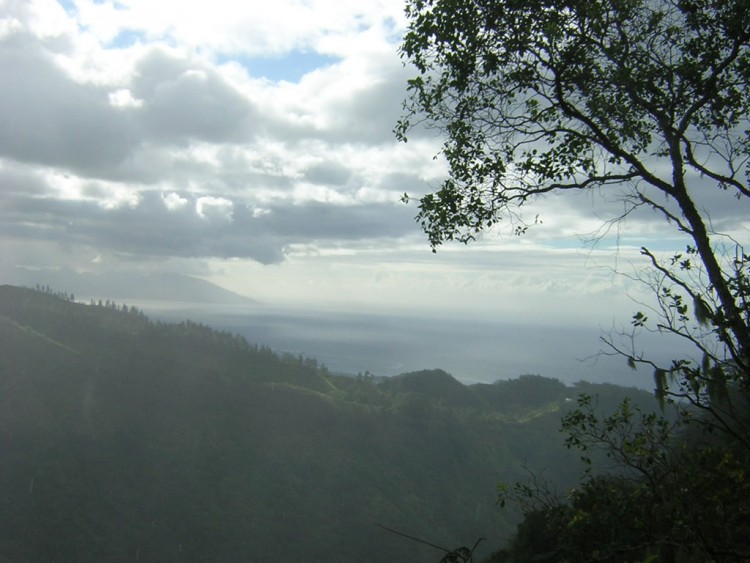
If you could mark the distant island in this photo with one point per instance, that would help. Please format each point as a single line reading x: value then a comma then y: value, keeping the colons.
x: 129, y: 286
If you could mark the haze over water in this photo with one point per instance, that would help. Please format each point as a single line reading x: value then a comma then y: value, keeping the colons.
x: 387, y: 344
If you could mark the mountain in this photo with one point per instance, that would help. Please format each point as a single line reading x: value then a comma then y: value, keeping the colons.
x: 437, y: 385
x: 128, y: 439
x: 130, y: 286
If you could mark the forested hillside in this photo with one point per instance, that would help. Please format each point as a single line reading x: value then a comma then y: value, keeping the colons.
x: 122, y: 439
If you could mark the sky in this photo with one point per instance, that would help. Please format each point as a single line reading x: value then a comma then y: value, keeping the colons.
x: 251, y: 145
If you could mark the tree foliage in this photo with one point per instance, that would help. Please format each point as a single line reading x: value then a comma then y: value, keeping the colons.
x: 661, y: 492
x: 644, y: 100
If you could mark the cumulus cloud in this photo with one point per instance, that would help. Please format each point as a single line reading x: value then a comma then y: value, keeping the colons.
x: 173, y: 201
x: 50, y: 120
x: 230, y: 27
x: 152, y: 222
x: 216, y: 209
x: 181, y: 101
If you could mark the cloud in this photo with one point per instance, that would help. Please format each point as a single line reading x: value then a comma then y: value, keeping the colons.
x: 153, y: 222
x: 214, y: 209
x: 48, y: 119
x: 181, y: 100
x: 230, y: 27
x: 327, y: 173
x: 173, y: 201
x: 357, y: 100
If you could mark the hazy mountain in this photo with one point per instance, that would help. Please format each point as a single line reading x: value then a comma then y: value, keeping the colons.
x: 127, y: 286
x: 127, y: 439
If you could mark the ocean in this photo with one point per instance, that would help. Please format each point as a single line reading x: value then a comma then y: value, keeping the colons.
x: 390, y: 343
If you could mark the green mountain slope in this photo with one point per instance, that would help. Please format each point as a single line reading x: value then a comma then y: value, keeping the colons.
x: 127, y: 439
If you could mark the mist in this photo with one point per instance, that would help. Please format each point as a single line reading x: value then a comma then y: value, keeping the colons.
x: 473, y: 350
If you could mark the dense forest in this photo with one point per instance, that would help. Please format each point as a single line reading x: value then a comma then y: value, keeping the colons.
x: 124, y: 438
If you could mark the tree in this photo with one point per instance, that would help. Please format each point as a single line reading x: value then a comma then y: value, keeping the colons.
x: 669, y: 495
x: 645, y: 100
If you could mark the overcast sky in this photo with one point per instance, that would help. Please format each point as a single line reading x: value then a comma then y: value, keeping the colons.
x: 250, y: 144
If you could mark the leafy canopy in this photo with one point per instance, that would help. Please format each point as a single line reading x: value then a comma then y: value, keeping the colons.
x: 645, y: 100
x: 541, y: 95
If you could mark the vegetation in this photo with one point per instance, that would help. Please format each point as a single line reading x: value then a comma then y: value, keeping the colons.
x: 129, y: 439
x: 645, y: 101
x: 658, y: 495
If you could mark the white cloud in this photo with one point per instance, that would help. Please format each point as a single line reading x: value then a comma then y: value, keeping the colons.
x: 47, y: 19
x: 228, y: 26
x: 174, y: 202
x: 214, y: 208
x: 8, y: 26
x: 123, y: 98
